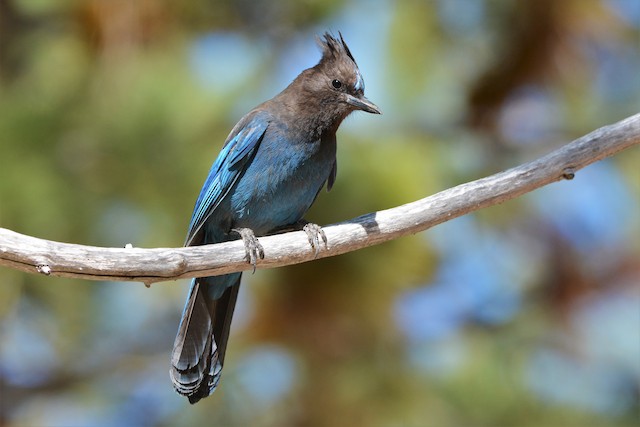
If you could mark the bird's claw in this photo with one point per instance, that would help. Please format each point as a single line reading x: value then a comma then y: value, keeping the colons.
x: 314, y: 234
x: 252, y: 246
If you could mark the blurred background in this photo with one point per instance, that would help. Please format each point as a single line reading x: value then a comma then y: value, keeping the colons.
x: 524, y: 314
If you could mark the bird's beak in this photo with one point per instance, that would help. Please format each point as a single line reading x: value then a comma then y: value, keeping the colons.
x: 362, y: 103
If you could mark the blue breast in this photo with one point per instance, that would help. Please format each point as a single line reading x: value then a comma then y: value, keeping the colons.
x: 281, y: 183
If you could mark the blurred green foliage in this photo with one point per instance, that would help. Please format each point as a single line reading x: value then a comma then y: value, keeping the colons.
x: 109, y: 123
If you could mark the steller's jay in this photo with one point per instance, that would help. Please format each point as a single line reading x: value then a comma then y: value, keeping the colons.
x: 271, y: 168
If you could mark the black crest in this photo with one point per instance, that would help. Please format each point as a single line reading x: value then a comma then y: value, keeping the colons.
x: 333, y: 49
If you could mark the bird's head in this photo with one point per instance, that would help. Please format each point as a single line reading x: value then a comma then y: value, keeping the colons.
x: 335, y: 82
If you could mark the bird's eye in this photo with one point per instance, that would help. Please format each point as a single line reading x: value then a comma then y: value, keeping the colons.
x: 336, y: 83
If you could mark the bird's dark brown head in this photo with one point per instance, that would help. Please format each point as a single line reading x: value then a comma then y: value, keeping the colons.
x: 321, y: 97
x: 338, y: 78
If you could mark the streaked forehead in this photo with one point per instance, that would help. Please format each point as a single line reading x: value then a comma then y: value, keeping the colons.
x: 359, y: 85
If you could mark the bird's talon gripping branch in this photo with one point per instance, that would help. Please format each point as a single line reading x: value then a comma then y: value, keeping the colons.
x: 314, y: 234
x: 252, y: 246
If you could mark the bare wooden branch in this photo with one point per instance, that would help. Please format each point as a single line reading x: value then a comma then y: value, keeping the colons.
x: 35, y: 255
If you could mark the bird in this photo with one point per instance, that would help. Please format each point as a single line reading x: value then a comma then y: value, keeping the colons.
x: 272, y: 167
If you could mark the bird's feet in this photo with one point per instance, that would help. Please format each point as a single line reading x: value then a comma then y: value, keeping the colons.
x: 314, y: 234
x: 252, y: 246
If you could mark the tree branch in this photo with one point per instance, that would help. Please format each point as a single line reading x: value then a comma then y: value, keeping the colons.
x: 47, y: 257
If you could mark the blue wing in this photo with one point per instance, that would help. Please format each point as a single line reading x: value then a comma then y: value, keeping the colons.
x: 240, y: 146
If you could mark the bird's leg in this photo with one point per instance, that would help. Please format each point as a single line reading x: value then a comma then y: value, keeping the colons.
x: 314, y: 234
x: 251, y: 245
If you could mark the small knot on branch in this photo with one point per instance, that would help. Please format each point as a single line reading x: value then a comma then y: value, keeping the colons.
x: 43, y: 269
x: 569, y: 173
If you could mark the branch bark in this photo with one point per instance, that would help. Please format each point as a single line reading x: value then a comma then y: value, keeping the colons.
x: 47, y: 257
